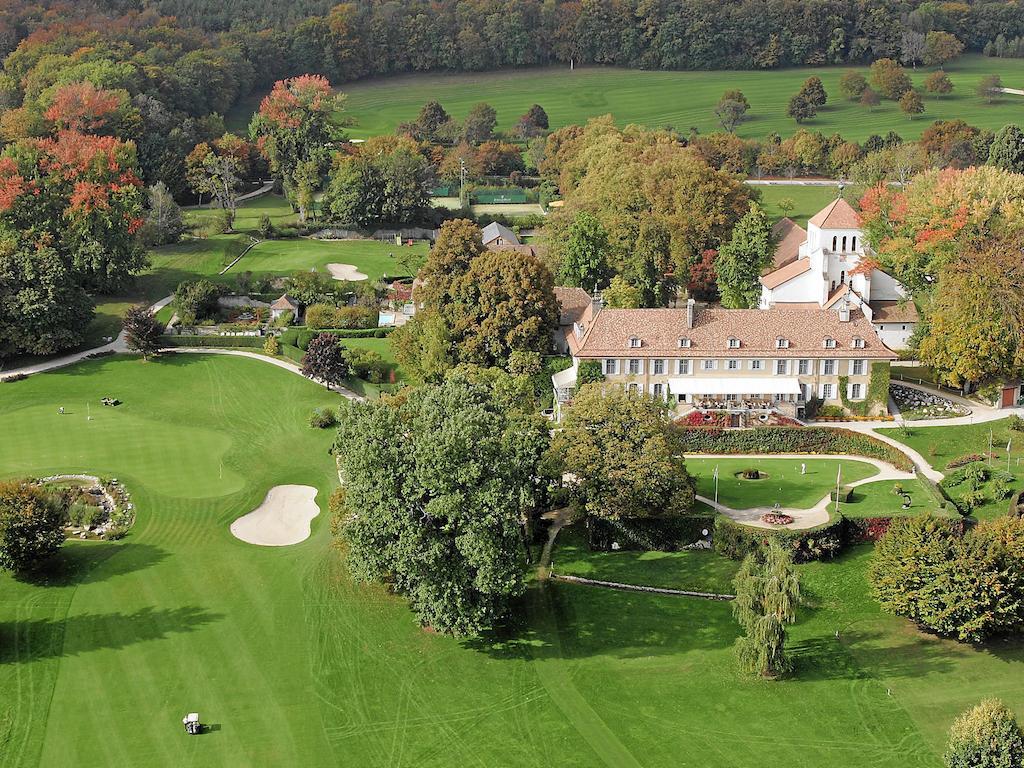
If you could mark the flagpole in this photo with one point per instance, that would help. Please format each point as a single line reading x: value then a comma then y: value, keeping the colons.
x: 1008, y: 444
x: 716, y: 485
x: 838, y: 477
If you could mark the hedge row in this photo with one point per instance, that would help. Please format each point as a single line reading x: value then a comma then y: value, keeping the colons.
x: 292, y: 353
x: 810, y: 440
x: 736, y: 541
x: 665, y: 534
x: 249, y: 342
x: 300, y: 337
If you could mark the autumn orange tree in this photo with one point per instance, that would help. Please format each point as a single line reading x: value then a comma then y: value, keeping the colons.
x: 920, y: 228
x: 295, y: 129
x: 70, y: 207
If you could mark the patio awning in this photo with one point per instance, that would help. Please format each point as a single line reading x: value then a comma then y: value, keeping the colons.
x: 735, y: 385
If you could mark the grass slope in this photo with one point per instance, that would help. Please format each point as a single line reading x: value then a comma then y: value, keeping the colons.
x: 683, y: 100
x: 296, y: 665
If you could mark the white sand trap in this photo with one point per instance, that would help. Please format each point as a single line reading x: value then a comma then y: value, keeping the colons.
x: 345, y: 272
x: 282, y: 519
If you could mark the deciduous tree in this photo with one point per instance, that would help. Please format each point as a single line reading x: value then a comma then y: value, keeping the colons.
x: 164, y: 223
x: 437, y: 509
x: 990, y: 88
x: 938, y: 83
x: 911, y: 104
x: 889, y: 79
x: 624, y: 454
x: 31, y: 525
x: 142, y: 331
x: 767, y: 595
x: 743, y: 258
x: 1007, y: 150
x: 985, y: 735
x: 324, y: 360
x: 479, y: 123
x: 852, y: 85
x: 941, y: 47
x: 584, y: 257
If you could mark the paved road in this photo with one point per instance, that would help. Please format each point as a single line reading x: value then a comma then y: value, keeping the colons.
x: 117, y: 345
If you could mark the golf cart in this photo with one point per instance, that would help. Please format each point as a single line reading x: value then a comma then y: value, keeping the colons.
x: 192, y: 725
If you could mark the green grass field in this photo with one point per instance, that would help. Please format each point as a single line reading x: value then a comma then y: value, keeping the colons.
x: 939, y: 445
x: 806, y: 201
x: 682, y: 100
x: 293, y: 664
x: 784, y: 483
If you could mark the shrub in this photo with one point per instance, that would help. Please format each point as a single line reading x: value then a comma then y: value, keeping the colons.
x: 985, y: 736
x: 736, y: 541
x: 324, y: 316
x: 271, y: 346
x: 366, y: 364
x: 831, y: 412
x: 968, y: 586
x: 1016, y: 423
x: 323, y: 418
x: 969, y: 458
x: 751, y: 474
x: 216, y: 342
x: 821, y: 440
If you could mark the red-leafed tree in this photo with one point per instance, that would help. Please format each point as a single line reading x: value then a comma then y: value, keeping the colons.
x: 83, y: 107
x: 70, y: 206
x: 703, y: 276
x: 295, y: 128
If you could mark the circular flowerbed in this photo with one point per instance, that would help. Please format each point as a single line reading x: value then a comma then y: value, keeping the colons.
x: 752, y: 474
x: 776, y: 518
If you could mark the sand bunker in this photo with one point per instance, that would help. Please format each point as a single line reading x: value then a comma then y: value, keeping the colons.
x: 282, y: 519
x: 345, y: 272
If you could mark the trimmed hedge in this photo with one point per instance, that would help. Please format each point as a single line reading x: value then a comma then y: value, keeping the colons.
x: 300, y: 337
x: 809, y: 440
x: 844, y: 494
x: 665, y: 534
x: 736, y: 541
x: 292, y: 353
x: 213, y: 341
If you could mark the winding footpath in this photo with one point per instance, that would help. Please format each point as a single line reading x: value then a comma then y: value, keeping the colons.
x: 802, y: 518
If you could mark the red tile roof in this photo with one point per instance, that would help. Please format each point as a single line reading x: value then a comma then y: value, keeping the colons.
x: 659, y: 331
x: 838, y: 214
x: 786, y: 273
x: 894, y: 311
x: 790, y: 236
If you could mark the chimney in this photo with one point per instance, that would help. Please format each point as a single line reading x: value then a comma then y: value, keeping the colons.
x: 595, y: 303
x: 844, y: 311
x: 691, y: 311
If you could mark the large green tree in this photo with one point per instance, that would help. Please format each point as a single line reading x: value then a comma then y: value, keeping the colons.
x: 743, y: 258
x: 584, y: 253
x: 494, y: 303
x: 296, y: 128
x: 437, y: 508
x: 623, y: 455
x: 1007, y: 150
x: 386, y: 181
x: 767, y: 595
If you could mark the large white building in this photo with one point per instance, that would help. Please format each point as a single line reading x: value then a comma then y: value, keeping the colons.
x: 830, y: 266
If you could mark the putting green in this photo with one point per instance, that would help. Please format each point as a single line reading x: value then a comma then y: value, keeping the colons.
x: 291, y: 663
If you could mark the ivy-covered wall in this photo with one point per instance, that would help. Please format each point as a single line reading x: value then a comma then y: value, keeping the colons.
x: 876, y: 400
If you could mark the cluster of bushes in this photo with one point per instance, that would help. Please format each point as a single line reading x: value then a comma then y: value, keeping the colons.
x: 968, y: 585
x: 197, y: 300
x: 969, y: 458
x: 971, y: 482
x: 811, y: 440
x: 320, y: 317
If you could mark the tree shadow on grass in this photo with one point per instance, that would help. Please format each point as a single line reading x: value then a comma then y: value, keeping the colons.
x: 861, y: 654
x: 575, y: 621
x: 92, y: 561
x: 24, y: 641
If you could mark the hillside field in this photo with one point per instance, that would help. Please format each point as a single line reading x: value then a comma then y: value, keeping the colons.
x: 682, y: 100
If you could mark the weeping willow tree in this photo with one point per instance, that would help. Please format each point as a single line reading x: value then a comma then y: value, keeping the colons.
x: 767, y: 594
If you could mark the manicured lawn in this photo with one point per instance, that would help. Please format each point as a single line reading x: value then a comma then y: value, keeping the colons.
x: 878, y: 500
x: 807, y: 201
x: 249, y: 213
x: 373, y: 258
x: 293, y: 664
x: 693, y: 569
x: 939, y: 445
x: 658, y: 99
x: 784, y: 483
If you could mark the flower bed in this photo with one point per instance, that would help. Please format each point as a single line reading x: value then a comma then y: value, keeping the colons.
x: 97, y: 508
x: 776, y: 518
x: 969, y: 458
x: 809, y: 440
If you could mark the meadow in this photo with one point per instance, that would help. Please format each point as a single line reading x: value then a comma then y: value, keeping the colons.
x: 291, y: 663
x: 681, y: 100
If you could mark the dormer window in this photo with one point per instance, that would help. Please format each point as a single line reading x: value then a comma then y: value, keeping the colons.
x: 781, y: 343
x: 734, y: 343
x: 829, y: 343
x: 684, y: 343
x: 635, y: 343
x: 858, y: 342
